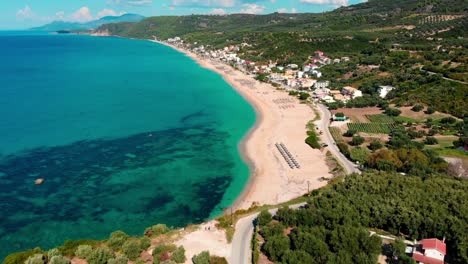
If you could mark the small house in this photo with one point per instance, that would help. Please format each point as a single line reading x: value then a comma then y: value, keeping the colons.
x: 429, y: 251
x: 351, y: 91
x: 384, y: 90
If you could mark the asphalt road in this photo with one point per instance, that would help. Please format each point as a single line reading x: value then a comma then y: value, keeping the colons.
x: 327, y: 138
x: 241, y: 243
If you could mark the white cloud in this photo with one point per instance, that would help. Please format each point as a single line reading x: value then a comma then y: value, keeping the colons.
x: 285, y: 10
x: 109, y: 12
x: 131, y: 2
x: 82, y: 15
x: 326, y: 2
x: 252, y: 9
x: 210, y: 3
x: 217, y: 11
x: 25, y: 13
x: 60, y: 15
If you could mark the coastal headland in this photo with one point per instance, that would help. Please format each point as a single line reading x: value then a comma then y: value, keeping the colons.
x: 280, y: 119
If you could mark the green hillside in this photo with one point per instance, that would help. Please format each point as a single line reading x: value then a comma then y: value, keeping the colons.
x: 428, y: 34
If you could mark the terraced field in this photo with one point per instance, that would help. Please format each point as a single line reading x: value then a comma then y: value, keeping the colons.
x: 371, y: 128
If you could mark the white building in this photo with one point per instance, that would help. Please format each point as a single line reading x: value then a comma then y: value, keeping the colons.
x: 384, y: 90
x: 328, y: 99
x: 351, y: 91
x: 321, y: 84
x: 430, y: 251
x: 317, y: 73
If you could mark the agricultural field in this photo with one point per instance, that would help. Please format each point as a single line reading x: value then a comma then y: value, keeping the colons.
x: 421, y: 115
x: 371, y: 128
x: 380, y: 118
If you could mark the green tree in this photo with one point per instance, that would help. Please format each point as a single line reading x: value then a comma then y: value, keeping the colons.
x: 53, y: 252
x: 417, y: 108
x: 84, y: 251
x: 375, y: 145
x: 100, y: 256
x: 59, y: 260
x: 303, y: 96
x: 430, y: 110
x: 312, y: 140
x: 357, y: 140
x: 132, y: 248
x: 179, y: 255
x: 120, y: 259
x: 431, y: 141
x: 117, y: 239
x: 297, y: 257
x: 21, y: 257
x: 392, y: 111
x: 343, y: 148
x: 161, y: 252
x: 264, y: 218
x: 202, y: 258
x: 350, y: 133
x: 145, y: 243
x: 360, y: 154
x: 340, y: 114
x: 385, y: 159
x: 156, y: 230
x: 276, y: 246
x: 35, y: 259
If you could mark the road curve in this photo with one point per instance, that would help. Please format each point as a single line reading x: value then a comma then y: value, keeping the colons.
x: 323, y: 125
x: 241, y: 252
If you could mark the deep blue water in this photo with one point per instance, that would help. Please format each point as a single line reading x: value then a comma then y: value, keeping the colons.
x: 126, y: 134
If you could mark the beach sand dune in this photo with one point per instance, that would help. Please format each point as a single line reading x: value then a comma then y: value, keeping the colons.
x: 280, y: 119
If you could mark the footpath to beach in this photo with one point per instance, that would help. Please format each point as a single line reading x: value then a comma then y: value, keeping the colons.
x: 280, y: 119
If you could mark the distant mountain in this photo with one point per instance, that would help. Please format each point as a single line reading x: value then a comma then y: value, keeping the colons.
x: 64, y: 25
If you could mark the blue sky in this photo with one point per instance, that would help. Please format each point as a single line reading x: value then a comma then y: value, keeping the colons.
x: 20, y: 14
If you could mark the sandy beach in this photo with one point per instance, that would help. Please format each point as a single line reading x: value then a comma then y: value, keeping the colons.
x: 280, y: 119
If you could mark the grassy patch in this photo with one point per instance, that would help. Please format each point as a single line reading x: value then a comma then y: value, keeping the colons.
x: 405, y: 119
x: 455, y: 153
x: 336, y: 134
x: 336, y: 169
x: 385, y: 119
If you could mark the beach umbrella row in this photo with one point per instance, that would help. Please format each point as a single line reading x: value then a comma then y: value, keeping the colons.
x: 288, y: 157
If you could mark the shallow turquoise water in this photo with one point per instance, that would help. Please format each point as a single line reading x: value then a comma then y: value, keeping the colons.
x: 126, y: 133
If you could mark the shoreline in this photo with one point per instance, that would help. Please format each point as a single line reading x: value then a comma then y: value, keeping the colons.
x: 242, y: 146
x: 270, y: 180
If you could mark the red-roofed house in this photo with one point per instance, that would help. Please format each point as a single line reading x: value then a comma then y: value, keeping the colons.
x: 319, y: 53
x: 430, y: 251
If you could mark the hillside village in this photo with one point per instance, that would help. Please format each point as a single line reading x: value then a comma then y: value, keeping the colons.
x: 291, y: 77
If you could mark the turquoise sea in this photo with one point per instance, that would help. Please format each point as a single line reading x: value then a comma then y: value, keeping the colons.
x: 126, y: 134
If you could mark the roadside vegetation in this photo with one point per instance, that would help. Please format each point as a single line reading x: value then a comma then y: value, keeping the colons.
x: 119, y: 248
x: 334, y: 227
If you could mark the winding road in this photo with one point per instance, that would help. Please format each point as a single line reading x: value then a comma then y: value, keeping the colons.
x: 327, y: 138
x: 241, y: 243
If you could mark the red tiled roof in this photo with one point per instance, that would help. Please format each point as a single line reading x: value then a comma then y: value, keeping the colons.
x: 427, y: 260
x: 434, y: 243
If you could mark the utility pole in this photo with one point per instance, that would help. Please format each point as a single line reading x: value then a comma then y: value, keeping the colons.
x: 308, y: 187
x: 232, y: 218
